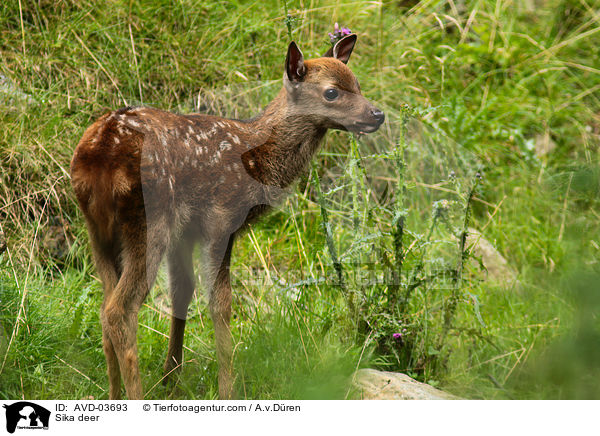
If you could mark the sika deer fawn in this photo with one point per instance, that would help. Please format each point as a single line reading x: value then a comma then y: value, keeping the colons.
x: 151, y: 183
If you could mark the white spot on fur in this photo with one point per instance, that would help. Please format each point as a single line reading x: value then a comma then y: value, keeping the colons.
x: 234, y: 138
x: 190, y: 129
x: 215, y: 159
x: 224, y: 145
x: 123, y: 130
x: 133, y: 123
x: 117, y: 140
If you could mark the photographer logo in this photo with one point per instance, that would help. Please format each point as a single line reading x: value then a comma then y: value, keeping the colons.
x: 26, y: 415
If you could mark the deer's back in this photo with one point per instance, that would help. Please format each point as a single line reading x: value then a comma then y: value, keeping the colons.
x: 147, y: 159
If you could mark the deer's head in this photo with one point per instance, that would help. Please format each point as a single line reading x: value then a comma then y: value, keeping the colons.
x: 327, y: 91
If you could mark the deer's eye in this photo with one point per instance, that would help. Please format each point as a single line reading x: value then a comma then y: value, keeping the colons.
x: 331, y: 94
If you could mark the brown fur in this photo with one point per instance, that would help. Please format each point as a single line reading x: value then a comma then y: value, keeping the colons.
x: 152, y: 183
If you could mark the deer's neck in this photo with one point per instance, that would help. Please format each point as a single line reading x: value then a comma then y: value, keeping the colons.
x: 286, y: 142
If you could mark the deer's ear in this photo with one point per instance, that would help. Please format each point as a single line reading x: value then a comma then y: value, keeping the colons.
x: 329, y: 53
x: 342, y: 49
x: 294, y: 63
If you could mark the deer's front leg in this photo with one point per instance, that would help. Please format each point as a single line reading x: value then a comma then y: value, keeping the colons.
x: 220, y: 311
x: 181, y: 276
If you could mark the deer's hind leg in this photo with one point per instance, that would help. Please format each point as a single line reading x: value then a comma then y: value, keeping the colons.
x: 181, y: 280
x: 107, y: 261
x: 143, y: 249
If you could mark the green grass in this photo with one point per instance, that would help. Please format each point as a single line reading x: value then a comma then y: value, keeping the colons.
x: 486, y: 81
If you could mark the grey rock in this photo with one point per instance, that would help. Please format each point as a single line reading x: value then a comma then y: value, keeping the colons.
x: 497, y: 267
x: 10, y: 93
x: 384, y: 385
x: 544, y: 145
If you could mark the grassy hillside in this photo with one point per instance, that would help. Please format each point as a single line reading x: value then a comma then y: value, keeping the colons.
x: 493, y: 123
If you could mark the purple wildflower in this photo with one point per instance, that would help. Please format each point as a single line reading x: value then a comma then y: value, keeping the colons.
x: 338, y: 33
x: 397, y: 336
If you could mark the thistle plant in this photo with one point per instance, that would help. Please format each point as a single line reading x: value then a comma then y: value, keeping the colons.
x: 463, y: 255
x: 338, y: 33
x: 400, y: 212
x: 382, y: 312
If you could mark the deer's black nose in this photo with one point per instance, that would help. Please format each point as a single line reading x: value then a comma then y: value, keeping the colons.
x: 378, y: 115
